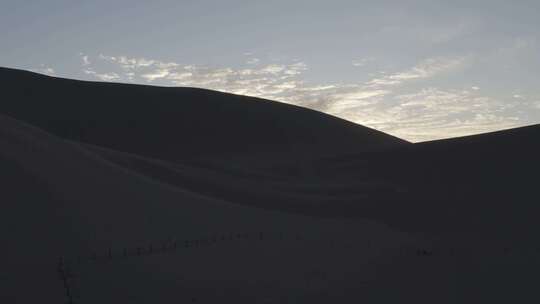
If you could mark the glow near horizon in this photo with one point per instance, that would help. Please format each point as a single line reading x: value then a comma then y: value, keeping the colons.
x: 423, y: 115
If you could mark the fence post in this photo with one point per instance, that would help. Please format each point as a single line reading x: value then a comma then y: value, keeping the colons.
x: 64, y: 276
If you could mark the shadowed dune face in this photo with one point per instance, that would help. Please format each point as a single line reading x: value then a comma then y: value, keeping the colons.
x: 483, y: 183
x: 462, y: 185
x: 65, y: 200
x: 275, y: 156
x: 180, y: 123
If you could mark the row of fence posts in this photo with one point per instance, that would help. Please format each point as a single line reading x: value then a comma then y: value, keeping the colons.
x: 67, y: 276
x: 172, y: 246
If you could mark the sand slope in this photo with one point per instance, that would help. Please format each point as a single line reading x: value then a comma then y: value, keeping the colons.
x: 89, y: 170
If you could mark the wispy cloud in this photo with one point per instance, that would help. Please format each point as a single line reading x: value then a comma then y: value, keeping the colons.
x: 85, y: 60
x: 380, y: 103
x: 103, y: 76
x: 433, y: 113
x: 253, y: 61
x: 45, y: 69
x: 425, y: 69
x: 362, y: 62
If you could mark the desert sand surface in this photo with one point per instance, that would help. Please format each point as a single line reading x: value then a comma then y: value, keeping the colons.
x: 117, y: 193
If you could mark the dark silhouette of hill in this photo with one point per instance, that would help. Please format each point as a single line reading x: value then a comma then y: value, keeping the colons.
x: 275, y: 156
x: 87, y: 166
x: 178, y: 123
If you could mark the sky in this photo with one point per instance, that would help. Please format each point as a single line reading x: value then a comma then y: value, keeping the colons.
x: 419, y: 70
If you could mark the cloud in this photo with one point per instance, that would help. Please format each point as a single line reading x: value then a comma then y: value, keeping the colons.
x: 103, y: 76
x: 44, y: 69
x: 475, y: 88
x: 134, y: 63
x: 158, y: 74
x: 253, y: 61
x: 345, y: 101
x: 425, y: 69
x: 85, y: 59
x: 273, y: 69
x: 362, y: 62
x: 268, y: 80
x: 433, y: 113
x: 430, y: 113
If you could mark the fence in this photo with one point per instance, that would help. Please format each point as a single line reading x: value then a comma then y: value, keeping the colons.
x: 66, y: 266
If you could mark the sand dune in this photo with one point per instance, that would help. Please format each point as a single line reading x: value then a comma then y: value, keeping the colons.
x: 180, y: 123
x: 66, y: 201
x: 114, y: 169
